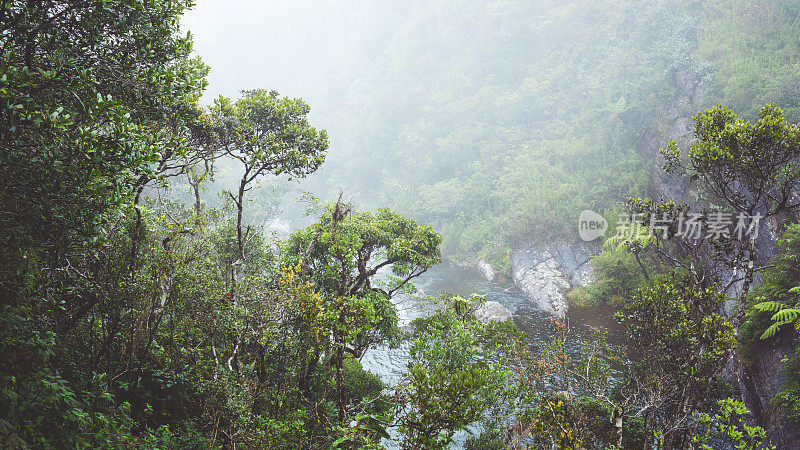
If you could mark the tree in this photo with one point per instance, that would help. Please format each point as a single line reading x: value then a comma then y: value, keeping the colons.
x: 753, y: 168
x: 455, y: 374
x: 96, y: 99
x: 268, y: 135
x: 727, y: 429
x: 343, y: 254
x: 568, y: 402
x: 682, y: 342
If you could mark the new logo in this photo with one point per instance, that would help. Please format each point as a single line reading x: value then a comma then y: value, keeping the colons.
x: 591, y: 225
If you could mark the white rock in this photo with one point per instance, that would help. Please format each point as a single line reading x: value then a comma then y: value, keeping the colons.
x: 545, y: 273
x: 492, y: 312
x: 486, y: 270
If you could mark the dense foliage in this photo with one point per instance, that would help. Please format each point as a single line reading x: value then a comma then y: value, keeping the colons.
x: 500, y: 121
x: 775, y: 311
x: 673, y: 287
x: 779, y: 291
x: 133, y: 318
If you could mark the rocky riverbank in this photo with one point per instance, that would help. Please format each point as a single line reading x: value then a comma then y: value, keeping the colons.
x: 546, y: 272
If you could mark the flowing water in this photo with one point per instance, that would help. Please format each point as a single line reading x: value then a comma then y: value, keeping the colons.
x: 390, y: 363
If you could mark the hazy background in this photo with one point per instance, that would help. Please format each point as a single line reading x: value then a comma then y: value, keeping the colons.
x: 498, y: 121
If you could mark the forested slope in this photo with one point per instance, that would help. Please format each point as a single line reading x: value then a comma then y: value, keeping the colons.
x: 500, y: 121
x: 135, y: 316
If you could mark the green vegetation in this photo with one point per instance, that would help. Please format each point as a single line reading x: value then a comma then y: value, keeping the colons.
x: 132, y: 319
x: 727, y: 429
x: 501, y: 121
x: 139, y: 322
x: 672, y: 288
x: 774, y: 304
x: 454, y: 377
x: 684, y: 343
x: 779, y: 291
x: 620, y: 269
x: 754, y: 48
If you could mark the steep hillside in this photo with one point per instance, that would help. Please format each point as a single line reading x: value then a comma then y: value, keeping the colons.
x: 499, y: 121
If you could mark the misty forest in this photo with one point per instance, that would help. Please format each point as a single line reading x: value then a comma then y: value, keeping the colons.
x: 477, y: 224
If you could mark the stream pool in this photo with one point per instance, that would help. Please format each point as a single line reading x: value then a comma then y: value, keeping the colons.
x: 389, y: 363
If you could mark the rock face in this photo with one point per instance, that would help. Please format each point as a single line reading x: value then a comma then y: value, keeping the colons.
x: 761, y: 381
x: 545, y: 273
x: 763, y: 378
x: 486, y: 270
x: 492, y: 312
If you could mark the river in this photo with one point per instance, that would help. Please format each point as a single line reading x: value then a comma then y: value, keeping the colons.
x: 389, y: 364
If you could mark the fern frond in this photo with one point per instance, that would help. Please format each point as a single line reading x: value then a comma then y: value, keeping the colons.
x: 770, y: 306
x: 614, y: 242
x: 786, y: 315
x: 769, y: 332
x: 648, y: 240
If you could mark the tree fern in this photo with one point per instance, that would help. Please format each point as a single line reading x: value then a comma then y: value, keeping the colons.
x: 784, y: 315
x: 787, y: 315
x: 773, y: 329
x: 770, y: 306
x: 642, y: 237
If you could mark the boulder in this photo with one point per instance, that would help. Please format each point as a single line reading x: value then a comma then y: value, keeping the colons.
x: 546, y: 272
x: 486, y: 270
x: 492, y: 312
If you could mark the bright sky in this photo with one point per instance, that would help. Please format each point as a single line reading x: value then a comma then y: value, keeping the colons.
x: 282, y: 45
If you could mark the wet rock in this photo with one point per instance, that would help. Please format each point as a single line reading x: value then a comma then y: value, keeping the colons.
x: 761, y: 381
x: 486, y: 270
x: 546, y: 272
x: 483, y: 267
x: 492, y: 312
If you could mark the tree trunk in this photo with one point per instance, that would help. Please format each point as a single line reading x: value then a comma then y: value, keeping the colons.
x: 197, y: 204
x: 340, y: 383
x: 239, y: 207
x: 641, y: 266
x: 748, y: 280
x: 617, y: 422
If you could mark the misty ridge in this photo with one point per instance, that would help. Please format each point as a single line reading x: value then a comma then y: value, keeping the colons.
x: 383, y: 224
x: 500, y: 118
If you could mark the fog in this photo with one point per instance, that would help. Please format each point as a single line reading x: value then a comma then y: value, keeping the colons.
x: 566, y: 223
x: 311, y: 50
x: 496, y: 122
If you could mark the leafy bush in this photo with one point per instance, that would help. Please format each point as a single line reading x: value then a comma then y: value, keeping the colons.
x: 617, y: 276
x: 487, y: 440
x: 364, y: 386
x: 779, y: 292
x: 727, y: 429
